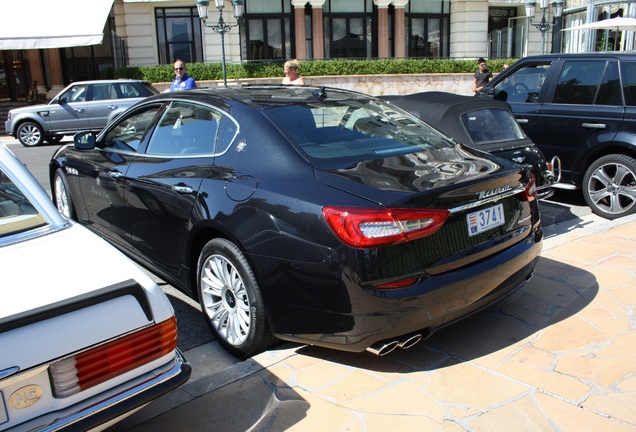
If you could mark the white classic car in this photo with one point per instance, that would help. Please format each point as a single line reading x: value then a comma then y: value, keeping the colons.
x: 86, y: 337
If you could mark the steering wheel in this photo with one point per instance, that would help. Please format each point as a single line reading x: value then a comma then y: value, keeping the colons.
x: 520, y: 88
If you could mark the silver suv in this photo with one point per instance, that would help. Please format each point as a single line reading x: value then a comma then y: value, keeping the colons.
x: 82, y: 106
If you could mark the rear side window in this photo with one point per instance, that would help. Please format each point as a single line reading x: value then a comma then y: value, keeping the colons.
x: 628, y: 70
x: 135, y: 89
x: 103, y: 92
x: 579, y: 82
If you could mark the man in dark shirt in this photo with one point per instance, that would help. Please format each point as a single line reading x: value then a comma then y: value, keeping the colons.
x: 482, y: 75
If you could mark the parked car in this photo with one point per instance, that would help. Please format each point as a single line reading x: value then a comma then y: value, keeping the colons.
x: 483, y: 124
x: 86, y: 339
x: 580, y: 107
x: 82, y: 106
x: 315, y: 215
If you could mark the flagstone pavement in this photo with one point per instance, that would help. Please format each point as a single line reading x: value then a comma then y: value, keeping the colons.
x: 558, y: 355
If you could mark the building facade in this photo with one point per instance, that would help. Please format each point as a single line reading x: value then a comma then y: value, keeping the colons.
x: 152, y: 32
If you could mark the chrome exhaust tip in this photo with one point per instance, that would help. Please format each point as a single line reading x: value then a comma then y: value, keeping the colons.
x: 383, y: 347
x: 410, y: 341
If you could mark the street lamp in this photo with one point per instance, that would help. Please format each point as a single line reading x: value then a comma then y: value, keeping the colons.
x: 221, y: 26
x: 543, y: 26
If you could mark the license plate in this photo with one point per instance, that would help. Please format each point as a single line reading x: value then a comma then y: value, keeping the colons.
x: 4, y: 417
x: 485, y: 219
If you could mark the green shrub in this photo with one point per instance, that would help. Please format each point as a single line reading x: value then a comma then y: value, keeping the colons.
x: 214, y: 71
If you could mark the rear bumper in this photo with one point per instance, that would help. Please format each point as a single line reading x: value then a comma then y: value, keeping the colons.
x: 434, y: 302
x: 123, y: 401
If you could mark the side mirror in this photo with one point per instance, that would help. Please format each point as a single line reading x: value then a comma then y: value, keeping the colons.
x: 61, y: 100
x: 84, y: 140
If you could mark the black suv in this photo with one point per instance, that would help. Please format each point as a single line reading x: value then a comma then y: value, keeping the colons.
x: 582, y: 108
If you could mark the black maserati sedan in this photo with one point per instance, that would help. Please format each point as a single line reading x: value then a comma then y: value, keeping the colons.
x: 307, y: 214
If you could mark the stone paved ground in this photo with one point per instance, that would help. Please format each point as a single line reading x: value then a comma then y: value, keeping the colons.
x: 558, y: 355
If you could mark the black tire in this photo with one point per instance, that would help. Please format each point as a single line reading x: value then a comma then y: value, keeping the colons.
x: 30, y: 134
x: 609, y: 186
x: 231, y: 300
x: 54, y: 139
x: 62, y: 195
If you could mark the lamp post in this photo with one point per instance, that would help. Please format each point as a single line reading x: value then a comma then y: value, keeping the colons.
x: 543, y: 26
x: 221, y: 26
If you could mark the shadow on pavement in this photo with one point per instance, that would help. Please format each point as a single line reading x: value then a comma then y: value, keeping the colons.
x: 548, y: 298
x: 563, y: 206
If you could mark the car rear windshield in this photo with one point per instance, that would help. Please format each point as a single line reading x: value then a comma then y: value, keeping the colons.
x: 353, y: 130
x: 17, y: 213
x: 490, y: 125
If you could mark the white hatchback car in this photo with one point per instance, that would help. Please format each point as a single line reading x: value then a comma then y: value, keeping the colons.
x: 86, y: 337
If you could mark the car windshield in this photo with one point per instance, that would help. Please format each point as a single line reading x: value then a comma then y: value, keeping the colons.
x: 491, y: 125
x: 17, y: 212
x: 353, y: 130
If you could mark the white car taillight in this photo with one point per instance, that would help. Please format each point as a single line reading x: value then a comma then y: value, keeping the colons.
x: 97, y: 365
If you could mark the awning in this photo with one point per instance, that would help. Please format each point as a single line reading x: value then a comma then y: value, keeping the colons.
x: 33, y: 24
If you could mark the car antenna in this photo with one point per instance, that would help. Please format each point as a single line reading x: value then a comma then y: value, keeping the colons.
x: 320, y: 93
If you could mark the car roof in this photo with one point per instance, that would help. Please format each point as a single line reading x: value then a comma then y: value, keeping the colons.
x: 262, y: 95
x: 444, y: 111
x: 436, y: 107
x: 108, y: 81
x: 598, y: 54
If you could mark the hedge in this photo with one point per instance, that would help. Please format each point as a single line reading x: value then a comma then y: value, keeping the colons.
x: 214, y: 71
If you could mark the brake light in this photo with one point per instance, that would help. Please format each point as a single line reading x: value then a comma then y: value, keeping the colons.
x: 382, y: 227
x: 97, y: 365
x: 397, y: 284
x: 530, y: 192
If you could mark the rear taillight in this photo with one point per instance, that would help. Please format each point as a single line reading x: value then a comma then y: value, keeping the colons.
x: 99, y: 364
x: 372, y: 228
x: 530, y: 192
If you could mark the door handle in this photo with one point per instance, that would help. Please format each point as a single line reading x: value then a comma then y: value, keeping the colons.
x: 594, y: 125
x: 522, y: 121
x: 183, y: 189
x: 112, y: 107
x: 78, y: 110
x: 115, y: 174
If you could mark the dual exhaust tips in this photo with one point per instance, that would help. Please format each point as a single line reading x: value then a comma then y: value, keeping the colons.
x: 386, y: 346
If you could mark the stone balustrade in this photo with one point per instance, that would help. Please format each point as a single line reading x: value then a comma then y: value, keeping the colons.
x: 376, y: 85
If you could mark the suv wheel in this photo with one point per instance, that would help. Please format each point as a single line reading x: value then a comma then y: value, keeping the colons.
x: 609, y: 186
x: 30, y: 134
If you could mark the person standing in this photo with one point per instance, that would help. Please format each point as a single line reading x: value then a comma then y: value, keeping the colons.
x: 291, y: 73
x: 183, y: 81
x: 482, y: 75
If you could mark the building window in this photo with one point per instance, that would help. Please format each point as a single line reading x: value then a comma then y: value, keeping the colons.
x: 268, y: 29
x: 269, y: 38
x: 428, y: 28
x: 179, y: 35
x: 90, y: 62
x: 348, y: 29
x: 308, y: 32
